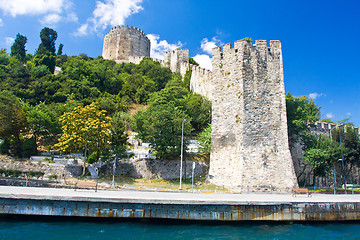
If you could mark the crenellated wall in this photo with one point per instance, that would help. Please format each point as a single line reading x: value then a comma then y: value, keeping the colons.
x: 176, y: 57
x: 250, y: 148
x: 201, y: 81
x: 125, y: 42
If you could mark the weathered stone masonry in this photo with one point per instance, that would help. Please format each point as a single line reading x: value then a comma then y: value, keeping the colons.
x: 124, y: 42
x: 249, y: 127
x: 250, y: 148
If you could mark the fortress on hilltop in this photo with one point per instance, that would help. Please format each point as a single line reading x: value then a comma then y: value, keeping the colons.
x: 250, y: 149
x: 124, y: 43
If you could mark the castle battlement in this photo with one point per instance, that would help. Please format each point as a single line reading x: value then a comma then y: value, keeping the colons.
x: 326, y: 128
x: 200, y: 70
x: 240, y: 45
x: 118, y: 28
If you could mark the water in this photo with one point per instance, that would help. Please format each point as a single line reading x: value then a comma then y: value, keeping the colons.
x: 39, y: 229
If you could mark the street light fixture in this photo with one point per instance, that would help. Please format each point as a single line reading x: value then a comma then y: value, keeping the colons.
x: 181, y: 155
x: 333, y: 166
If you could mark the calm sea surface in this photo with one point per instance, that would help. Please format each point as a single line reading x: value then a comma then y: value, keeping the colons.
x: 19, y: 228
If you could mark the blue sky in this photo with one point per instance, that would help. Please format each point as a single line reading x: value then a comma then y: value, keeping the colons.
x: 320, y: 39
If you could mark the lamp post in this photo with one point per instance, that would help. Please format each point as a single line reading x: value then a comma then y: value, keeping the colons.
x: 342, y: 160
x: 181, y: 155
x: 333, y: 166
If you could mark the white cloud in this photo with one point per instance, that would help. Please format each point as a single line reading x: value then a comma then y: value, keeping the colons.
x: 72, y: 17
x: 51, y: 19
x: 83, y: 30
x: 349, y: 114
x: 316, y: 95
x: 330, y: 115
x: 33, y: 7
x: 204, y: 61
x: 110, y: 12
x: 9, y: 41
x: 1, y: 22
x: 207, y: 45
x: 51, y: 11
x: 158, y: 48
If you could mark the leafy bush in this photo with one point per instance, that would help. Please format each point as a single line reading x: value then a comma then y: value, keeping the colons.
x: 28, y: 147
x: 36, y: 174
x: 53, y: 176
x: 18, y: 173
x: 4, y: 147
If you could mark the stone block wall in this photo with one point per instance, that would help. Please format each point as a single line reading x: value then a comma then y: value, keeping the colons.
x: 68, y: 170
x: 249, y: 126
x: 176, y: 57
x: 201, y: 81
x: 155, y: 169
x: 123, y: 42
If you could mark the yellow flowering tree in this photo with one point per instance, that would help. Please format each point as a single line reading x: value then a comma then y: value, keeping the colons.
x: 85, y: 129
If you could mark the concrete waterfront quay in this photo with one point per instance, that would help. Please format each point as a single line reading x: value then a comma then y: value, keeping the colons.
x: 178, y: 205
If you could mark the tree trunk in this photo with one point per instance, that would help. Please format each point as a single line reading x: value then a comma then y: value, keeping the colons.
x: 17, y: 146
x: 302, y: 172
x: 85, y: 160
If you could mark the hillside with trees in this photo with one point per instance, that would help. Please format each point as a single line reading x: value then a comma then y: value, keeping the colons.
x: 92, y: 104
x: 39, y: 100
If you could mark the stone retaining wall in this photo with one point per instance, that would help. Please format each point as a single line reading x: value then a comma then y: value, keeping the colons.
x: 153, y: 168
x: 68, y: 170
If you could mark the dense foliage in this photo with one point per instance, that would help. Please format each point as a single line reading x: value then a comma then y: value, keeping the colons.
x: 161, y: 122
x: 85, y: 129
x: 301, y: 112
x: 38, y: 98
x: 205, y: 140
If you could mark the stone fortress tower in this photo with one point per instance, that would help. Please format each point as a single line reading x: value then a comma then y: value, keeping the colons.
x: 250, y: 150
x: 125, y: 44
x: 177, y: 58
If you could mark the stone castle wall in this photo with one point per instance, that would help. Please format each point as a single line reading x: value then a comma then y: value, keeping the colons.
x: 124, y: 42
x: 155, y: 169
x: 250, y: 148
x: 249, y: 138
x: 200, y: 82
x: 304, y: 170
x: 68, y: 170
x: 175, y: 58
x: 130, y: 44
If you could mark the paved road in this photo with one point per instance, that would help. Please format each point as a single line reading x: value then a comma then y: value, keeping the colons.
x: 167, y: 197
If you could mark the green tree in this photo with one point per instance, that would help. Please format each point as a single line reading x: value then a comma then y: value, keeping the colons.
x: 204, y: 139
x: 18, y: 48
x: 187, y: 78
x: 321, y: 153
x: 350, y: 144
x: 161, y: 125
x: 85, y: 129
x: 42, y: 121
x: 199, y: 109
x: 60, y: 49
x: 12, y: 121
x: 301, y: 111
x: 118, y: 135
x: 48, y: 37
x: 45, y: 54
x: 192, y: 61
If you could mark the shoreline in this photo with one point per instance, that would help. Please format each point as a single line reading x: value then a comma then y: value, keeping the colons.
x: 127, y: 204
